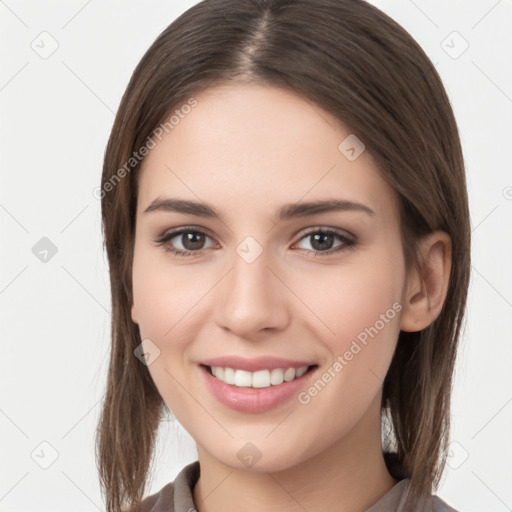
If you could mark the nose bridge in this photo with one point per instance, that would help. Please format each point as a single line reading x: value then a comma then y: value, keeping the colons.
x: 252, y: 299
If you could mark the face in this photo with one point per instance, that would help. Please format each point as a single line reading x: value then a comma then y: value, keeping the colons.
x: 318, y: 287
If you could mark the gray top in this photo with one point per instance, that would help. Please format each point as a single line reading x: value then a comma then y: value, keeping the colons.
x: 177, y: 496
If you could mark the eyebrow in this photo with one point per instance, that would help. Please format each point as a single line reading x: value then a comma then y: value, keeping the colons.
x: 286, y: 212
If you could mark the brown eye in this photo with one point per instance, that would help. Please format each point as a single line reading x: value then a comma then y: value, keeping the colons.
x: 184, y: 242
x: 192, y: 241
x: 323, y: 240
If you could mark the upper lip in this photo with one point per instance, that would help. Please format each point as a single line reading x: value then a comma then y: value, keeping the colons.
x: 255, y: 364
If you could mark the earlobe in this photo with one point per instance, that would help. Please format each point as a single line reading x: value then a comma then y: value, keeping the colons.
x: 428, y: 285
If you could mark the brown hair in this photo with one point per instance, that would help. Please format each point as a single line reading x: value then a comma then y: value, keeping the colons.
x: 349, y: 58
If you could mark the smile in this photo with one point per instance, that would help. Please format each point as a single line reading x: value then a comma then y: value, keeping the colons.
x: 257, y: 379
x: 258, y: 391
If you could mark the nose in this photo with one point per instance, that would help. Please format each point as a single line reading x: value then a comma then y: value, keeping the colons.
x: 252, y: 298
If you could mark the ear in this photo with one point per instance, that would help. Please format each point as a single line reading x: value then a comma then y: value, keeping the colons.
x: 428, y: 285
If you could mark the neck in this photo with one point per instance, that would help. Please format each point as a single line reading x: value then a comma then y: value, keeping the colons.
x: 347, y: 477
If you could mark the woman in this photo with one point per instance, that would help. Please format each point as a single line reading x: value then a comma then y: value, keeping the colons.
x: 285, y: 216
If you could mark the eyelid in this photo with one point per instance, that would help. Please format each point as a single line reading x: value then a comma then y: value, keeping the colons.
x: 186, y: 229
x: 348, y: 240
x: 166, y: 236
x: 325, y: 229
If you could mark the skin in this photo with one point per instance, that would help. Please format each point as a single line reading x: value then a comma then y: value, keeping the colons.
x: 247, y: 150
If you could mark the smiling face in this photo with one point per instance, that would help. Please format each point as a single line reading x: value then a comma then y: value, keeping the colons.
x: 260, y: 284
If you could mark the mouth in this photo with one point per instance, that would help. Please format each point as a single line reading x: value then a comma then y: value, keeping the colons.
x: 256, y: 385
x: 264, y: 378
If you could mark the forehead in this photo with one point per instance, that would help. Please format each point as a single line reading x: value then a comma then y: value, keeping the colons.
x: 256, y: 146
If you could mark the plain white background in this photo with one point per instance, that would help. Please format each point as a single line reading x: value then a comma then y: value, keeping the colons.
x: 56, y: 114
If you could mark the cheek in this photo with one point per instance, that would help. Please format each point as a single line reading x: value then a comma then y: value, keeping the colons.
x: 168, y: 303
x: 339, y: 302
x: 347, y: 299
x: 163, y: 294
x: 363, y: 309
x: 357, y: 319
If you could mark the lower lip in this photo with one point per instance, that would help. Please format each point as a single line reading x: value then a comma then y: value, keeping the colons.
x: 254, y: 400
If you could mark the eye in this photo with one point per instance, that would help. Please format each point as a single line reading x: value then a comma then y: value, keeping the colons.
x: 322, y: 241
x: 192, y: 241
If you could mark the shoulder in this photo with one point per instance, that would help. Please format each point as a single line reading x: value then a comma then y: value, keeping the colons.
x: 177, y: 495
x: 163, y: 500
x: 429, y: 503
x: 399, y: 499
x: 438, y: 505
x: 400, y: 492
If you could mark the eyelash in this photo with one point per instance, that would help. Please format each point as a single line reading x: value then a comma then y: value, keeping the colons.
x: 349, y: 243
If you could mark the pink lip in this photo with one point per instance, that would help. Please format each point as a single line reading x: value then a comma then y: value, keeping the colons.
x: 255, y: 364
x: 254, y: 400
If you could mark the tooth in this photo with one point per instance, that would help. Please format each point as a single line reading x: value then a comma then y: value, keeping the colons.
x: 258, y: 379
x: 276, y: 376
x: 218, y: 371
x: 229, y: 375
x: 261, y: 379
x: 289, y: 374
x: 242, y: 378
x: 301, y: 371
